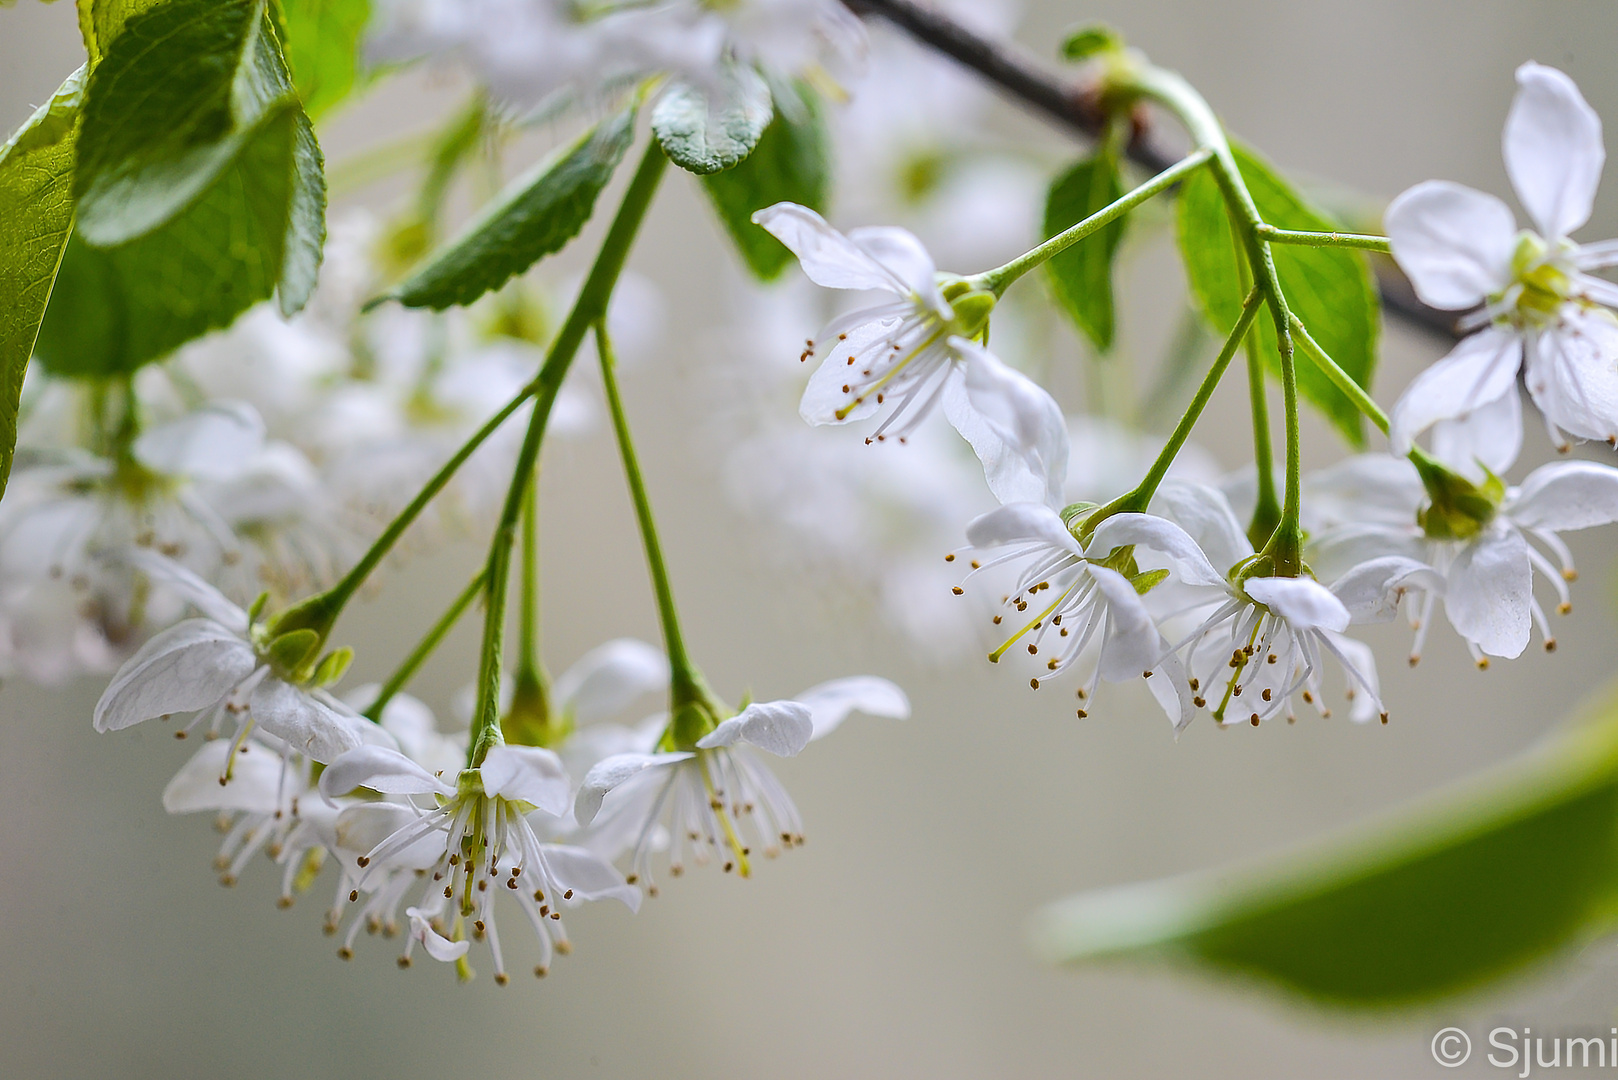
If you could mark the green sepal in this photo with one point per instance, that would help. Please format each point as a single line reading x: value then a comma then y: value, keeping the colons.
x: 1330, y: 289
x: 260, y: 602
x: 791, y: 163
x: 536, y: 216
x: 706, y: 136
x: 1090, y: 40
x: 1148, y: 580
x: 332, y: 667
x: 1457, y: 892
x: 1457, y: 509
x: 290, y: 652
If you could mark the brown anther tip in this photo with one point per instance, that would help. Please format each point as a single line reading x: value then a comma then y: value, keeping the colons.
x: 1033, y: 649
x: 1050, y: 665
x: 566, y: 947
x: 179, y: 734
x: 1199, y: 702
x: 501, y: 978
x: 227, y: 880
x: 557, y: 915
x: 1564, y: 608
x: 1414, y: 659
x: 404, y: 962
x: 1384, y: 718
x: 363, y: 861
x: 1033, y: 684
x: 345, y: 953
x: 1146, y: 674
x: 283, y: 902
x: 223, y: 781
x: 353, y: 895
x: 950, y: 557
x: 1550, y: 644
x: 1570, y: 574
x: 1253, y: 720
x: 997, y: 619
x: 1292, y: 719
x: 993, y: 659
x: 541, y: 971
x: 1081, y: 713
x: 957, y: 590
x: 568, y: 895
x: 1483, y: 663
x: 978, y: 566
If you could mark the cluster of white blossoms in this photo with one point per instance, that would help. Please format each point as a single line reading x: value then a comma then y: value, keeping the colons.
x: 1174, y: 591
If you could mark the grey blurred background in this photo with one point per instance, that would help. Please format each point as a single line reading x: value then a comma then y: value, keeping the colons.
x: 892, y: 944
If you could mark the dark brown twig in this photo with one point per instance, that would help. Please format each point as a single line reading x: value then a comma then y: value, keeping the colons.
x: 1070, y: 104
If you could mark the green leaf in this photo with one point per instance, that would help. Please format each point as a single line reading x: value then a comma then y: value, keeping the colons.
x: 101, y: 20
x: 36, y: 217
x: 536, y: 216
x: 1330, y: 289
x: 1447, y: 895
x: 1081, y: 276
x: 704, y: 136
x: 306, y: 220
x: 323, y: 47
x: 115, y: 309
x: 1087, y: 41
x: 179, y: 94
x: 791, y: 163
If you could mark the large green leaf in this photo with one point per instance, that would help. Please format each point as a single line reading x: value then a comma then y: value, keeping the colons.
x: 791, y: 163
x: 178, y: 95
x: 1330, y: 289
x: 1081, y: 276
x: 36, y: 217
x: 322, y: 48
x: 704, y: 134
x: 1437, y: 898
x: 101, y: 20
x: 536, y: 216
x: 115, y: 309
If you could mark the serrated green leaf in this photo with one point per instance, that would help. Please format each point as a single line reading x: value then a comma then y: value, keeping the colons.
x: 115, y: 309
x: 703, y: 135
x: 101, y: 20
x: 36, y: 217
x: 181, y: 90
x: 1081, y: 276
x: 1330, y: 289
x: 791, y: 163
x: 1462, y: 889
x: 536, y: 216
x: 306, y: 220
x: 323, y: 47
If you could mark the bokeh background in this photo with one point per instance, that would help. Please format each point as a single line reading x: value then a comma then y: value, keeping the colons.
x: 893, y: 943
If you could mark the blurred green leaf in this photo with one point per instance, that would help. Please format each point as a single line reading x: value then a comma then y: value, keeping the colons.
x: 323, y: 47
x: 1446, y: 895
x: 705, y: 136
x: 1330, y: 289
x: 36, y: 218
x: 792, y: 163
x: 1086, y: 41
x: 1081, y: 276
x: 536, y: 216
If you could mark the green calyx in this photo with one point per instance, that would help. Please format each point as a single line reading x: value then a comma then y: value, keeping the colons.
x: 694, y: 711
x: 1545, y: 285
x: 1457, y: 509
x: 531, y: 720
x: 972, y: 306
x: 290, y: 642
x: 1266, y: 564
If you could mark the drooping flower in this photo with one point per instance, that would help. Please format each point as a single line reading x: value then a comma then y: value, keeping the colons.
x: 915, y: 352
x: 225, y: 666
x: 474, y: 844
x: 1081, y: 595
x: 1541, y: 308
x: 719, y: 800
x: 1488, y: 569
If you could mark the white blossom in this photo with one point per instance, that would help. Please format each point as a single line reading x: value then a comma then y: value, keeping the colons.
x: 1541, y: 308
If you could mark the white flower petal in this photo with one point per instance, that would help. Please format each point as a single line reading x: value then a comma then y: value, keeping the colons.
x: 1020, y: 522
x: 1303, y: 602
x: 309, y: 726
x: 824, y: 397
x: 830, y: 703
x: 1372, y: 590
x: 259, y: 781
x: 1553, y: 150
x: 781, y: 727
x: 589, y: 876
x: 1453, y: 242
x: 1489, y: 589
x: 216, y: 442
x: 1205, y: 514
x: 187, y: 667
x: 361, y: 828
x: 828, y: 257
x: 614, y: 772
x: 529, y: 774
x: 1359, y: 663
x: 1480, y: 370
x: 201, y: 595
x: 379, y: 769
x: 1171, y: 689
x: 438, y: 947
x: 1573, y: 373
x: 603, y: 681
x: 1160, y: 535
x: 1133, y: 642
x: 1566, y: 495
x: 1490, y: 437
x: 903, y: 255
x: 1015, y: 427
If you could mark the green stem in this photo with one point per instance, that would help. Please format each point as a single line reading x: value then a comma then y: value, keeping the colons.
x: 528, y: 611
x: 667, y: 613
x: 1340, y: 378
x: 1141, y: 497
x: 1361, y: 241
x: 997, y: 279
x: 1266, y: 507
x: 590, y: 306
x: 424, y: 649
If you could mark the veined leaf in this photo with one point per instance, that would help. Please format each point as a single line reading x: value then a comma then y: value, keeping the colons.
x: 1441, y: 897
x: 536, y: 216
x: 791, y: 163
x: 1081, y: 276
x: 101, y: 20
x: 36, y: 217
x: 1330, y: 289
x: 178, y: 95
x: 306, y: 220
x: 704, y: 135
x: 322, y: 48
